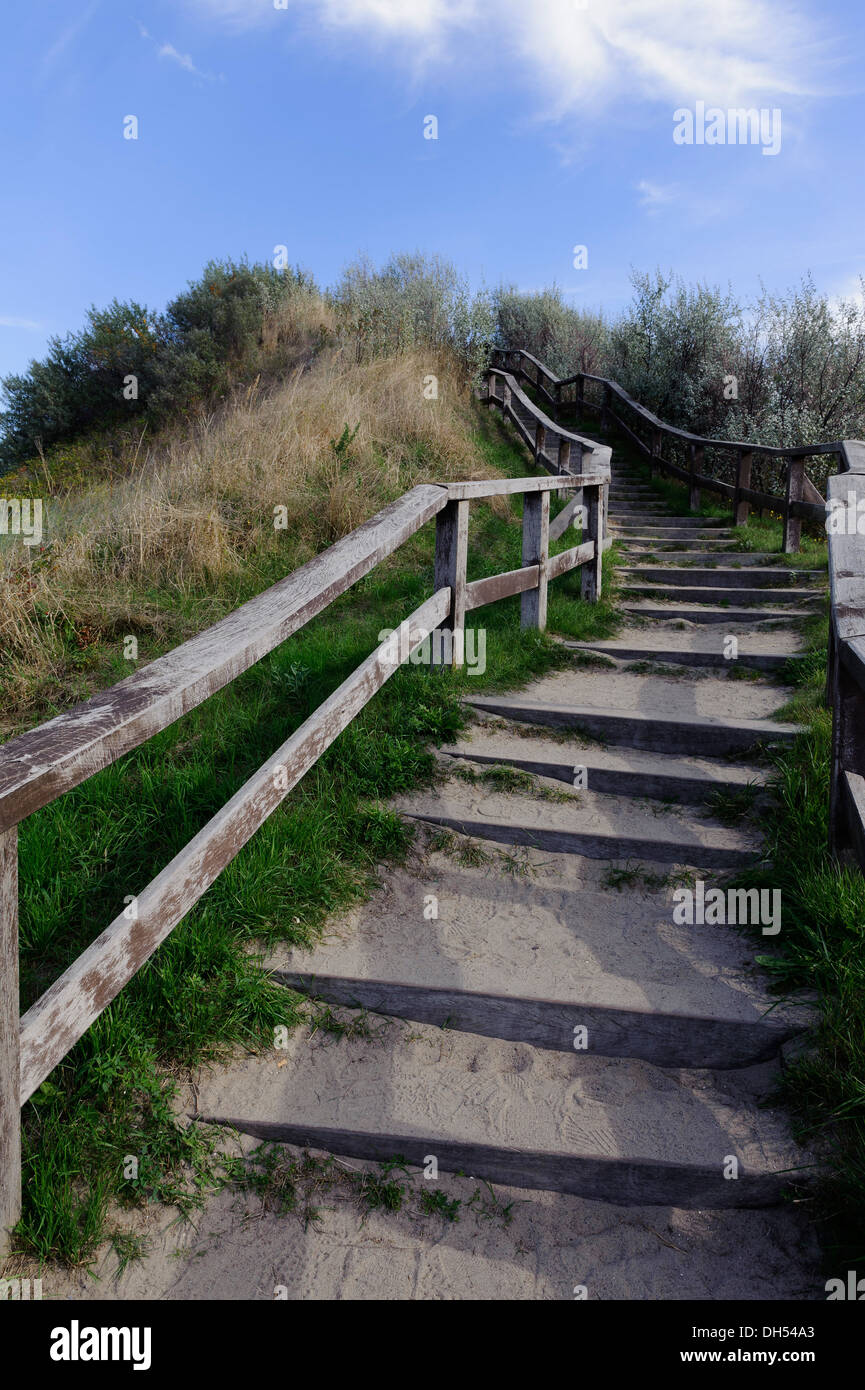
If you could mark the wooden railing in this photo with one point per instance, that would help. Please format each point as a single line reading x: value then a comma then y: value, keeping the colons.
x: 843, y: 517
x: 39, y: 766
x: 725, y: 467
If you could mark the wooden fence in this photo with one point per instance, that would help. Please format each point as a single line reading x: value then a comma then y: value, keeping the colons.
x: 842, y: 515
x: 47, y: 761
x: 725, y: 467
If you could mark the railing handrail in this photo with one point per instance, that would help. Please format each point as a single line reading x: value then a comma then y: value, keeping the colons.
x: 43, y: 763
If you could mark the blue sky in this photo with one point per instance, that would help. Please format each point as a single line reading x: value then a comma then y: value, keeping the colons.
x: 304, y: 126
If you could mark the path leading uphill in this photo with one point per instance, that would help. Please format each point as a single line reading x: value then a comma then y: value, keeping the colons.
x: 546, y: 1023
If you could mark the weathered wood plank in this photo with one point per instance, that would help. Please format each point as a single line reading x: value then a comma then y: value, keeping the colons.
x: 853, y: 790
x: 482, y: 591
x: 570, y: 559
x: 452, y: 540
x: 536, y: 550
x: 593, y: 532
x: 743, y: 481
x: 847, y: 556
x: 55, y: 1023
x: 10, y: 1113
x: 696, y: 454
x: 503, y: 487
x: 565, y: 518
x: 41, y: 764
x: 793, y: 494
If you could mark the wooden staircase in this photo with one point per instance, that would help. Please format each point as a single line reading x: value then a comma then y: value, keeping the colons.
x: 553, y: 838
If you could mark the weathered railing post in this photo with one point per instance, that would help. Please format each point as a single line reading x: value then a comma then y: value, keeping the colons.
x: 10, y: 1067
x: 606, y: 407
x: 452, y: 538
x: 793, y: 493
x: 536, y: 549
x: 594, y: 530
x: 655, y: 453
x: 741, y: 505
x: 492, y: 396
x: 540, y: 444
x: 564, y: 459
x: 695, y: 467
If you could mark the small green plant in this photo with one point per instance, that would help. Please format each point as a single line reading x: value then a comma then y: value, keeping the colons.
x: 342, y: 445
x: 438, y: 1203
x: 733, y: 804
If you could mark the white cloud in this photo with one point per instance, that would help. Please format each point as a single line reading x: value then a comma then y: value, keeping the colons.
x: 588, y: 59
x: 10, y: 321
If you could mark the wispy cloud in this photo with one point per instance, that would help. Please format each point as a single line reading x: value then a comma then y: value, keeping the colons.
x: 183, y: 60
x: 10, y: 321
x: 588, y: 59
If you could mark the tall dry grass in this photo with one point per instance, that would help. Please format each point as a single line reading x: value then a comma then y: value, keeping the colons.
x: 193, y: 513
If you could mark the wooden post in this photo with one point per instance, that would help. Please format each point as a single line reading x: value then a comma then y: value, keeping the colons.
x: 492, y: 390
x: 593, y: 531
x: 536, y: 547
x: 696, y: 467
x: 540, y: 443
x: 795, y: 487
x: 741, y: 507
x: 565, y: 457
x: 10, y: 1023
x: 580, y: 397
x: 605, y: 409
x: 452, y: 536
x: 655, y: 453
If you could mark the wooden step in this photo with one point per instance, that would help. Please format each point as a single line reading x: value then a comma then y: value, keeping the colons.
x: 611, y: 1129
x: 520, y: 958
x: 741, y: 596
x: 722, y: 576
x: 697, y: 735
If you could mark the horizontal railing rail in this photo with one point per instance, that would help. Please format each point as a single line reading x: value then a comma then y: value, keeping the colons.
x: 842, y: 515
x: 40, y: 765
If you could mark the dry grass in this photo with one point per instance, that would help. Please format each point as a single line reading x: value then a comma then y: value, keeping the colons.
x: 195, y: 509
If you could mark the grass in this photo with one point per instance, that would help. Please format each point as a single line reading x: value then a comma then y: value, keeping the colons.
x: 298, y: 1185
x: 732, y: 805
x: 509, y: 780
x: 630, y: 875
